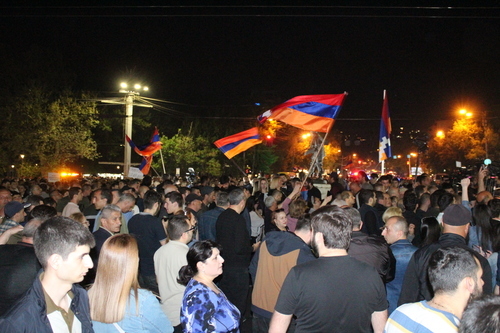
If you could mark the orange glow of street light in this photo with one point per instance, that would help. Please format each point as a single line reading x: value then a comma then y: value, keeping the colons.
x: 440, y: 134
x: 466, y: 113
x: 305, y: 136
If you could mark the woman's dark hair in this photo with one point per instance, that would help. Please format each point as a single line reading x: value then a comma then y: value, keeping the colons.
x: 250, y: 204
x: 200, y: 251
x: 482, y: 219
x: 430, y: 230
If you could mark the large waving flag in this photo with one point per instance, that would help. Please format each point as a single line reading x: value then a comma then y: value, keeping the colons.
x: 239, y: 142
x: 309, y: 112
x: 147, y: 150
x: 384, y: 149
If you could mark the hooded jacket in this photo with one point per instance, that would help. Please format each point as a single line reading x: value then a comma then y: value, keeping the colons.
x: 278, y: 253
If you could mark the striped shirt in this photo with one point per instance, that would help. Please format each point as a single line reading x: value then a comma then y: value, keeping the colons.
x: 421, y: 318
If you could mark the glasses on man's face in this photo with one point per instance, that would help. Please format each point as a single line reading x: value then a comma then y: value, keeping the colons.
x: 192, y: 228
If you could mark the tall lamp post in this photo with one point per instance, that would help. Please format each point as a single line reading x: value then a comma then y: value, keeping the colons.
x: 130, y: 97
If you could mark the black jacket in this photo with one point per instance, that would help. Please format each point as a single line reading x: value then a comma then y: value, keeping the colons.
x: 416, y: 286
x: 29, y: 314
x: 374, y: 251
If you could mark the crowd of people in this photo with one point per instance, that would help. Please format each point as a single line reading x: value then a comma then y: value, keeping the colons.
x: 364, y: 254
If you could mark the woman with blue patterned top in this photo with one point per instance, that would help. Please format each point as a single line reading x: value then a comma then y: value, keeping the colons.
x: 205, y: 308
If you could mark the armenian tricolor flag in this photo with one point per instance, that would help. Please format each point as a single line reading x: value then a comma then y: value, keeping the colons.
x: 239, y: 142
x: 309, y: 112
x: 147, y: 150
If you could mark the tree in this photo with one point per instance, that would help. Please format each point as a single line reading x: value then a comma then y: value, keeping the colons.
x: 50, y: 129
x: 189, y: 151
x: 464, y: 142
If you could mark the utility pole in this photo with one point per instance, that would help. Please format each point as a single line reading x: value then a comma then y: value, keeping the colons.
x: 130, y: 96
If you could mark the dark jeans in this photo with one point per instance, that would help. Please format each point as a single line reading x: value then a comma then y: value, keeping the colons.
x: 235, y: 285
x: 149, y: 282
x: 261, y: 324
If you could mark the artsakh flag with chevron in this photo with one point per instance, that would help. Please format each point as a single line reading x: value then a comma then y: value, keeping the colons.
x: 384, y: 148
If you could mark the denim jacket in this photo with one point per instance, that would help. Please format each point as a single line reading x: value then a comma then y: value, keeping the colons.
x: 402, y: 251
x: 149, y: 318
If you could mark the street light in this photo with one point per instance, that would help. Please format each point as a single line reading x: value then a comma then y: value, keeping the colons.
x: 484, y: 124
x: 129, y: 111
x: 440, y: 134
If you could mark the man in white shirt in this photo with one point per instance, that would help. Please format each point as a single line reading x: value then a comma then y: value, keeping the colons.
x: 168, y: 261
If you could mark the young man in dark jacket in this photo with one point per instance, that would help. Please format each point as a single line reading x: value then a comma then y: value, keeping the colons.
x: 55, y: 303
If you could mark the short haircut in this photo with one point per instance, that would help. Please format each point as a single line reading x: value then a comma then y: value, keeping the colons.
x: 49, y: 201
x: 31, y: 227
x: 175, y: 197
x: 449, y: 266
x: 419, y: 190
x: 401, y: 224
x: 379, y: 195
x: 304, y: 223
x: 126, y: 197
x: 34, y: 200
x: 410, y: 200
x: 222, y: 198
x: 481, y: 315
x: 236, y: 196
x: 105, y: 193
x: 334, y: 224
x: 355, y: 217
x: 60, y: 235
x: 134, y: 181
x: 269, y: 201
x: 108, y: 209
x: 176, y: 226
x: 445, y: 200
x: 365, y: 195
x: 150, y: 198
x: 425, y: 197
x: 74, y: 191
x: 345, y: 195
x: 43, y: 212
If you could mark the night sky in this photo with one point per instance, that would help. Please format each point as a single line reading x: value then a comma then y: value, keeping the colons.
x: 430, y: 61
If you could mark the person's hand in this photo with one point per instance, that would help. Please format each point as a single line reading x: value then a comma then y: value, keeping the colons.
x: 327, y: 200
x: 483, y: 172
x: 255, y: 246
x: 465, y: 182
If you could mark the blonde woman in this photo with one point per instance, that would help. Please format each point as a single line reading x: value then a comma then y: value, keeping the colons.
x: 116, y: 302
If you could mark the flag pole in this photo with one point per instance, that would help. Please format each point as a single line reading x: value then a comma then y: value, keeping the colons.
x: 162, y: 162
x: 239, y: 168
x: 316, y: 154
